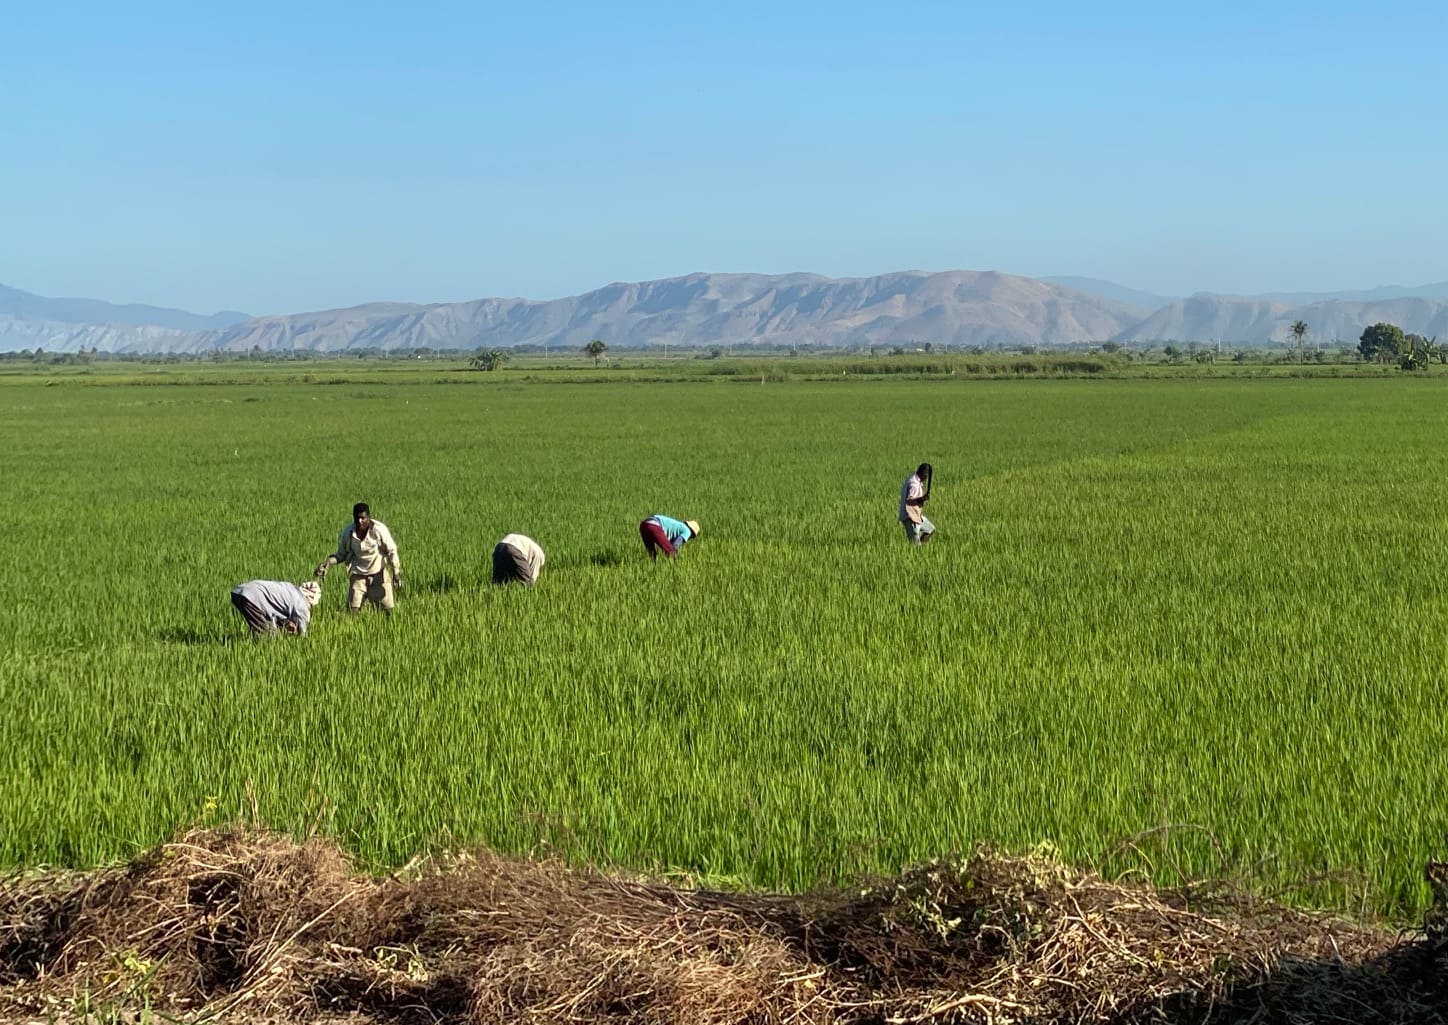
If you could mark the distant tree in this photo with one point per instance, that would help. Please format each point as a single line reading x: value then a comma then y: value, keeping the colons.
x: 489, y: 359
x: 1418, y: 352
x: 1110, y: 347
x: 929, y: 346
x: 898, y: 350
x: 1171, y: 352
x: 596, y: 349
x: 1299, y: 331
x: 1427, y: 346
x: 1382, y: 343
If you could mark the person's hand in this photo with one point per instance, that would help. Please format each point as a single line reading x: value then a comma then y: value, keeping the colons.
x: 321, y: 570
x: 401, y: 584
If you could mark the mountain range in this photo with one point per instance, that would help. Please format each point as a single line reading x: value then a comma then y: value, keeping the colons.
x: 15, y: 303
x: 905, y: 308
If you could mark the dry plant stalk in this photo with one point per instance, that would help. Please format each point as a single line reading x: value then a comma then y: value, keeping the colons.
x: 244, y: 925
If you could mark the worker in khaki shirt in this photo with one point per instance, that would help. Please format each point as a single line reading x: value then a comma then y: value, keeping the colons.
x: 517, y: 558
x: 367, y: 548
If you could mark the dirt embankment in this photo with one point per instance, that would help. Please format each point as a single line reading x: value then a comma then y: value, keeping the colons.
x: 246, y: 926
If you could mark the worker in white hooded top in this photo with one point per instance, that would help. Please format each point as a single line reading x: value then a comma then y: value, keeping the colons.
x: 273, y: 606
x: 517, y: 559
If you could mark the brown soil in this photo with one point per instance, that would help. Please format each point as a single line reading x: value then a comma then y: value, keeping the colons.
x: 247, y: 926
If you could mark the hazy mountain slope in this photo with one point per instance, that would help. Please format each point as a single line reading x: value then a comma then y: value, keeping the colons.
x: 55, y: 336
x: 1111, y: 290
x: 18, y: 305
x: 1438, y: 290
x: 1258, y: 321
x: 1210, y: 318
x: 1327, y: 321
x: 910, y: 307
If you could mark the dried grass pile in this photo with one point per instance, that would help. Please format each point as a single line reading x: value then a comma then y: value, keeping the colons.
x: 251, y: 926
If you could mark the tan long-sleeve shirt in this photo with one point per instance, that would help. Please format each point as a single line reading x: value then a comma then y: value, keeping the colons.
x: 365, y: 557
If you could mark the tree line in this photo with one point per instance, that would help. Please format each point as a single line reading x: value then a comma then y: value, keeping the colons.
x: 1387, y: 343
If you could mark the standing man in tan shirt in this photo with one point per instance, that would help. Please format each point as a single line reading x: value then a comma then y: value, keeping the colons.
x: 366, y: 546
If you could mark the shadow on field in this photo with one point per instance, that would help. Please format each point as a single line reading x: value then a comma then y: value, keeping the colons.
x: 243, y: 925
x: 606, y: 557
x: 444, y: 584
x: 1401, y: 986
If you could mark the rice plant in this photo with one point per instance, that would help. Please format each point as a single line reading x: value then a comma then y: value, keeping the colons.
x: 1172, y: 628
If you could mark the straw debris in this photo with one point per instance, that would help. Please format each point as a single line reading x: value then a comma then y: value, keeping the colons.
x: 248, y: 926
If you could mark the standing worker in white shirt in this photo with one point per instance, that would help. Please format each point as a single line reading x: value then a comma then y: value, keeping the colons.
x: 914, y: 493
x: 366, y: 546
x: 517, y: 559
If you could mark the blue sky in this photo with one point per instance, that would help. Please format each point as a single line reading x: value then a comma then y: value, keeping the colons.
x: 270, y: 158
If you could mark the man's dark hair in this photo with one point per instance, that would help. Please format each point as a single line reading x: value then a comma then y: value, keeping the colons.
x: 359, y: 509
x: 924, y: 470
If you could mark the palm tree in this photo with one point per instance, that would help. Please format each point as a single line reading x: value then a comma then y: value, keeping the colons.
x: 596, y: 349
x: 489, y: 359
x: 1299, y: 331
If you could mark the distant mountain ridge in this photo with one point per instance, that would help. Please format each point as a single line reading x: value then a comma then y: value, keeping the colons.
x: 1256, y: 321
x: 1111, y: 290
x: 909, y: 307
x: 905, y: 308
x: 27, y: 306
x: 1438, y: 290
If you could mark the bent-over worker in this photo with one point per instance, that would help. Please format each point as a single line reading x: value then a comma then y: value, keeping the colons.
x: 517, y: 559
x: 270, y: 606
x: 667, y: 535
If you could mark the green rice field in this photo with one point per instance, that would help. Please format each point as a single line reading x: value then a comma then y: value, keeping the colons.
x: 1173, y: 628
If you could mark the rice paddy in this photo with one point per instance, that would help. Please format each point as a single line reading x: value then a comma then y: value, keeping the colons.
x: 1171, y: 628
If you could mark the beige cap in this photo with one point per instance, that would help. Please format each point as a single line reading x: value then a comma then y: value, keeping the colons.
x: 693, y: 526
x: 312, y: 591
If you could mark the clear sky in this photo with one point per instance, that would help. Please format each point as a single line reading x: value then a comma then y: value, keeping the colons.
x: 272, y: 157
